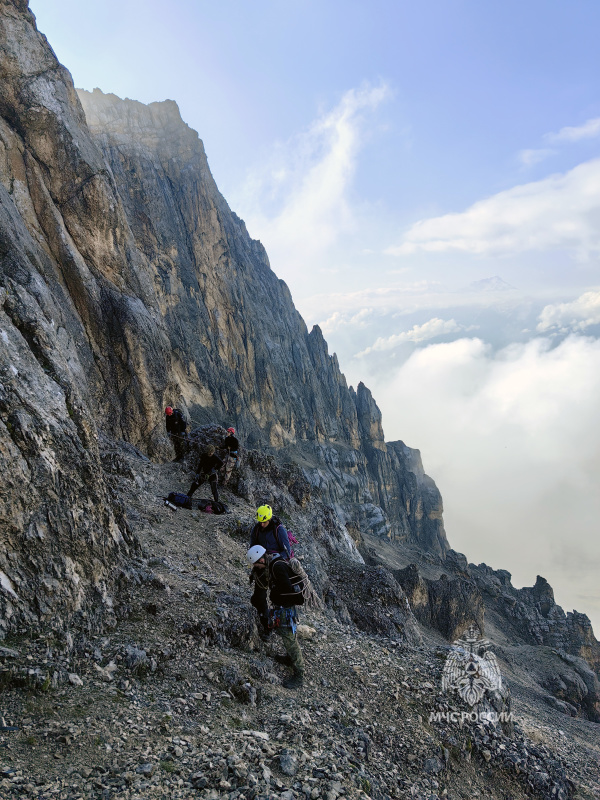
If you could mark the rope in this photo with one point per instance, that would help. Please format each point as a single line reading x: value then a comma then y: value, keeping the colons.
x: 311, y: 598
x: 256, y: 576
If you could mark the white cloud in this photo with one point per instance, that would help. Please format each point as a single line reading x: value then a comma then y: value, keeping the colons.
x: 561, y: 211
x: 589, y: 130
x: 338, y: 320
x: 512, y: 440
x: 567, y: 135
x: 575, y: 316
x: 297, y: 203
x: 418, y: 333
x: 383, y: 299
x: 530, y: 158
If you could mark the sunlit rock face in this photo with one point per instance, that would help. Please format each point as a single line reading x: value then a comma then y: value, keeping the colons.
x: 127, y: 283
x: 239, y: 348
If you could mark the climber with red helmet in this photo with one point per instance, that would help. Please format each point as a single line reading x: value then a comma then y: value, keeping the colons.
x: 176, y: 429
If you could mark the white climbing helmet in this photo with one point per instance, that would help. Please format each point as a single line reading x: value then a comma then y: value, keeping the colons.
x: 255, y: 552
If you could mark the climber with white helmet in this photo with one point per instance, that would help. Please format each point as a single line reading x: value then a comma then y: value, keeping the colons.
x: 271, y: 536
x: 270, y: 571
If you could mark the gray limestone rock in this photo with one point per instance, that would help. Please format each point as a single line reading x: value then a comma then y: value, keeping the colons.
x: 288, y: 762
x: 127, y: 283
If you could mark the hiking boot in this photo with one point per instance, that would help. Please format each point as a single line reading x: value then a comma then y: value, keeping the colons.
x: 286, y: 660
x: 296, y: 681
x: 265, y: 636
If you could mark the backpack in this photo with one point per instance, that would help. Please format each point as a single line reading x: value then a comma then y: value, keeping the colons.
x: 291, y: 538
x: 212, y: 507
x: 298, y: 584
x: 180, y: 500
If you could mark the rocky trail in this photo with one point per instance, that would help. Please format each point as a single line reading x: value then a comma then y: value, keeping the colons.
x: 182, y: 700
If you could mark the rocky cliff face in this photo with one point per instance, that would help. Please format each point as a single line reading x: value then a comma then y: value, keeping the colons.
x: 126, y: 282
x: 557, y: 650
x: 62, y: 535
x: 240, y: 351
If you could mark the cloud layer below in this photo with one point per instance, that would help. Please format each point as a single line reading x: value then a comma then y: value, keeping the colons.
x: 511, y: 438
x: 418, y: 333
x: 578, y: 315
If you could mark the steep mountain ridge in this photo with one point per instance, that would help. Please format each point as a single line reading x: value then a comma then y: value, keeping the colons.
x: 233, y: 321
x: 128, y: 283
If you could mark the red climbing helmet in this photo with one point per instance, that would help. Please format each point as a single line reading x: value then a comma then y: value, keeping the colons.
x: 168, y: 411
x: 230, y: 430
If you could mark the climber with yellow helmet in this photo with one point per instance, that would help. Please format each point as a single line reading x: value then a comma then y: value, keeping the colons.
x: 270, y: 534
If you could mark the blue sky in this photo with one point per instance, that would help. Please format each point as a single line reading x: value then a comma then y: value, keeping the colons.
x: 426, y: 178
x: 471, y: 83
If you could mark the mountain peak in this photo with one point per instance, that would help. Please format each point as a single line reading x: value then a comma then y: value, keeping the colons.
x: 493, y: 284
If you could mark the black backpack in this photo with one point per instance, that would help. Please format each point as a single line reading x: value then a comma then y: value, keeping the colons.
x: 180, y: 420
x: 212, y: 507
x: 283, y: 598
x: 180, y: 500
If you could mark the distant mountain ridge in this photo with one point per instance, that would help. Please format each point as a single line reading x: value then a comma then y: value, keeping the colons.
x: 494, y: 284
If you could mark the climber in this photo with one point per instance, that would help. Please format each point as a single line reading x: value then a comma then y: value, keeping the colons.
x: 176, y: 427
x: 269, y: 534
x: 207, y: 471
x: 231, y: 445
x: 273, y: 572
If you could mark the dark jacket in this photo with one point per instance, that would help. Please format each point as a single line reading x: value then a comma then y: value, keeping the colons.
x: 285, y: 586
x: 231, y: 444
x: 273, y: 538
x: 208, y: 465
x: 176, y: 422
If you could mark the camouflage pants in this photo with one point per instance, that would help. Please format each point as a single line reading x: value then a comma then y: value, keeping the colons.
x: 228, y: 469
x: 180, y: 444
x: 290, y: 642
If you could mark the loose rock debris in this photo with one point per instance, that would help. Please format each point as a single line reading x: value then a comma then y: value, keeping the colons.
x: 183, y: 700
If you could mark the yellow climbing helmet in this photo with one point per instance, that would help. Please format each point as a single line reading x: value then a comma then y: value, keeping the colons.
x: 264, y: 513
